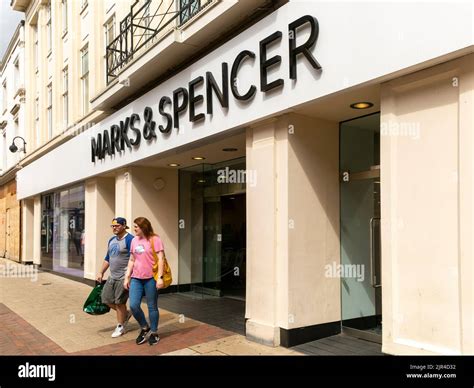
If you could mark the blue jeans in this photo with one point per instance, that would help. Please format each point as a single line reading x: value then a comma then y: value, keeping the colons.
x: 138, y: 287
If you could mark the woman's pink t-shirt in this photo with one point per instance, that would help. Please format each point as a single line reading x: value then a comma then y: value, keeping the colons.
x: 144, y: 260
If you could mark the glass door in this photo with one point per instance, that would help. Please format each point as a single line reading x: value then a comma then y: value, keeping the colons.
x: 360, y: 226
x: 208, y: 246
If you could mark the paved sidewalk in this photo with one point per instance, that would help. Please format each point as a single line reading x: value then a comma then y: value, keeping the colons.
x: 44, y: 316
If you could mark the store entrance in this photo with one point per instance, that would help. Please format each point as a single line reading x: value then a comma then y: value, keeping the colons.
x: 361, y: 283
x: 212, y: 243
x: 233, y: 246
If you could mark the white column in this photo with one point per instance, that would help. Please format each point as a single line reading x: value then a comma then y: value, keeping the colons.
x: 37, y: 231
x: 265, y: 162
x: 427, y: 213
x: 27, y: 230
x: 292, y: 228
x: 99, y: 212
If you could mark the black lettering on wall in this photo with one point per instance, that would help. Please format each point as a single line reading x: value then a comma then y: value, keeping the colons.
x: 106, y: 148
x: 124, y: 140
x: 138, y: 136
x: 115, y: 138
x: 149, y: 127
x: 305, y: 47
x: 169, y: 120
x: 195, y: 99
x: 235, y: 80
x: 96, y: 148
x: 178, y: 108
x: 211, y: 85
x: 266, y: 63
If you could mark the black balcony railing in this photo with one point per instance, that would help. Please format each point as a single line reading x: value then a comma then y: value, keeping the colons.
x: 145, y: 25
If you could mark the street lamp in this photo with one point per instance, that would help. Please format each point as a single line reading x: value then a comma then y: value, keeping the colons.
x: 13, y: 148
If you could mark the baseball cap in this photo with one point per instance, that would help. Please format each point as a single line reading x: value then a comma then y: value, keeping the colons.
x: 120, y: 221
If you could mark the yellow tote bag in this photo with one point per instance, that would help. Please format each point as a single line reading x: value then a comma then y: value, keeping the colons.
x: 167, y: 278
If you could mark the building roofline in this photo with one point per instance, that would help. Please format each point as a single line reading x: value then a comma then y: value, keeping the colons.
x: 11, y: 46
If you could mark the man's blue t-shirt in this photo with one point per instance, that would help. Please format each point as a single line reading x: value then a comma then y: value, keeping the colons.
x: 118, y: 254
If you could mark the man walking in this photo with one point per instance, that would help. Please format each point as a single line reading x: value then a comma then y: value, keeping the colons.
x: 118, y: 254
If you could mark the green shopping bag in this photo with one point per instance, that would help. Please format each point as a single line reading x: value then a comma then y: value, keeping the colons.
x: 94, y: 305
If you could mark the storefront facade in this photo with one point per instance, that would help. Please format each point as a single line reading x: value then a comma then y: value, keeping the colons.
x: 264, y: 183
x: 12, y: 125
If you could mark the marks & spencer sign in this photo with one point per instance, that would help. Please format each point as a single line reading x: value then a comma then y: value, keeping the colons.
x: 185, y: 100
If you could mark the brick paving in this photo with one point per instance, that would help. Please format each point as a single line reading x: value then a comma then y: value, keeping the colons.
x: 18, y: 337
x: 43, y: 315
x: 169, y: 342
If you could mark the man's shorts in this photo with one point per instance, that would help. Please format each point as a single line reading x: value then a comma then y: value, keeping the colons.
x: 114, y: 292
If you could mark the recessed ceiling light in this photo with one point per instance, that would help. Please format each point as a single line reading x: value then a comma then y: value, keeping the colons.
x: 229, y: 149
x: 362, y: 105
x: 198, y: 158
x: 201, y: 181
x: 173, y: 164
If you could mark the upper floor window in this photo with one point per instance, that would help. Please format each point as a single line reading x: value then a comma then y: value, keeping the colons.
x: 85, y: 79
x: 36, y: 52
x: 64, y: 14
x: 16, y: 75
x: 48, y: 29
x: 37, y: 127
x: 109, y: 30
x: 65, y: 97
x: 50, y: 111
x: 4, y: 95
x: 188, y: 8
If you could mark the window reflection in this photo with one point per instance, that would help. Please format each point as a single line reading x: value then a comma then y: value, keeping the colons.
x: 62, y: 231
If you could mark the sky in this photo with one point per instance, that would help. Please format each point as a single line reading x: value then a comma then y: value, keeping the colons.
x: 9, y: 20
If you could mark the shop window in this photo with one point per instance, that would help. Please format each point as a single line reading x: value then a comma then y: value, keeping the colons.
x: 63, y: 230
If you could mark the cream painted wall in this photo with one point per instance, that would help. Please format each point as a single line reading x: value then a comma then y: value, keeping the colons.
x: 313, y: 214
x: 427, y: 213
x: 292, y: 226
x: 160, y: 207
x: 264, y: 266
x: 27, y: 232
x: 99, y: 212
x: 123, y: 194
x: 37, y: 231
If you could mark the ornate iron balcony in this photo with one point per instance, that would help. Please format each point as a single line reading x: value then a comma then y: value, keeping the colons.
x: 146, y: 25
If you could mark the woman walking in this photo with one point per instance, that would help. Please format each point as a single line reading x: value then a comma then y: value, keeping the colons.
x: 139, y: 278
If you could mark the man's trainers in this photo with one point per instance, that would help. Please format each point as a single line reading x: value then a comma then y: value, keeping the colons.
x: 142, y: 336
x: 119, y: 330
x: 153, y: 339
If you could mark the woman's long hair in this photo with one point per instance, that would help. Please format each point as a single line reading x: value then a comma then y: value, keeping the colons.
x: 145, y: 226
